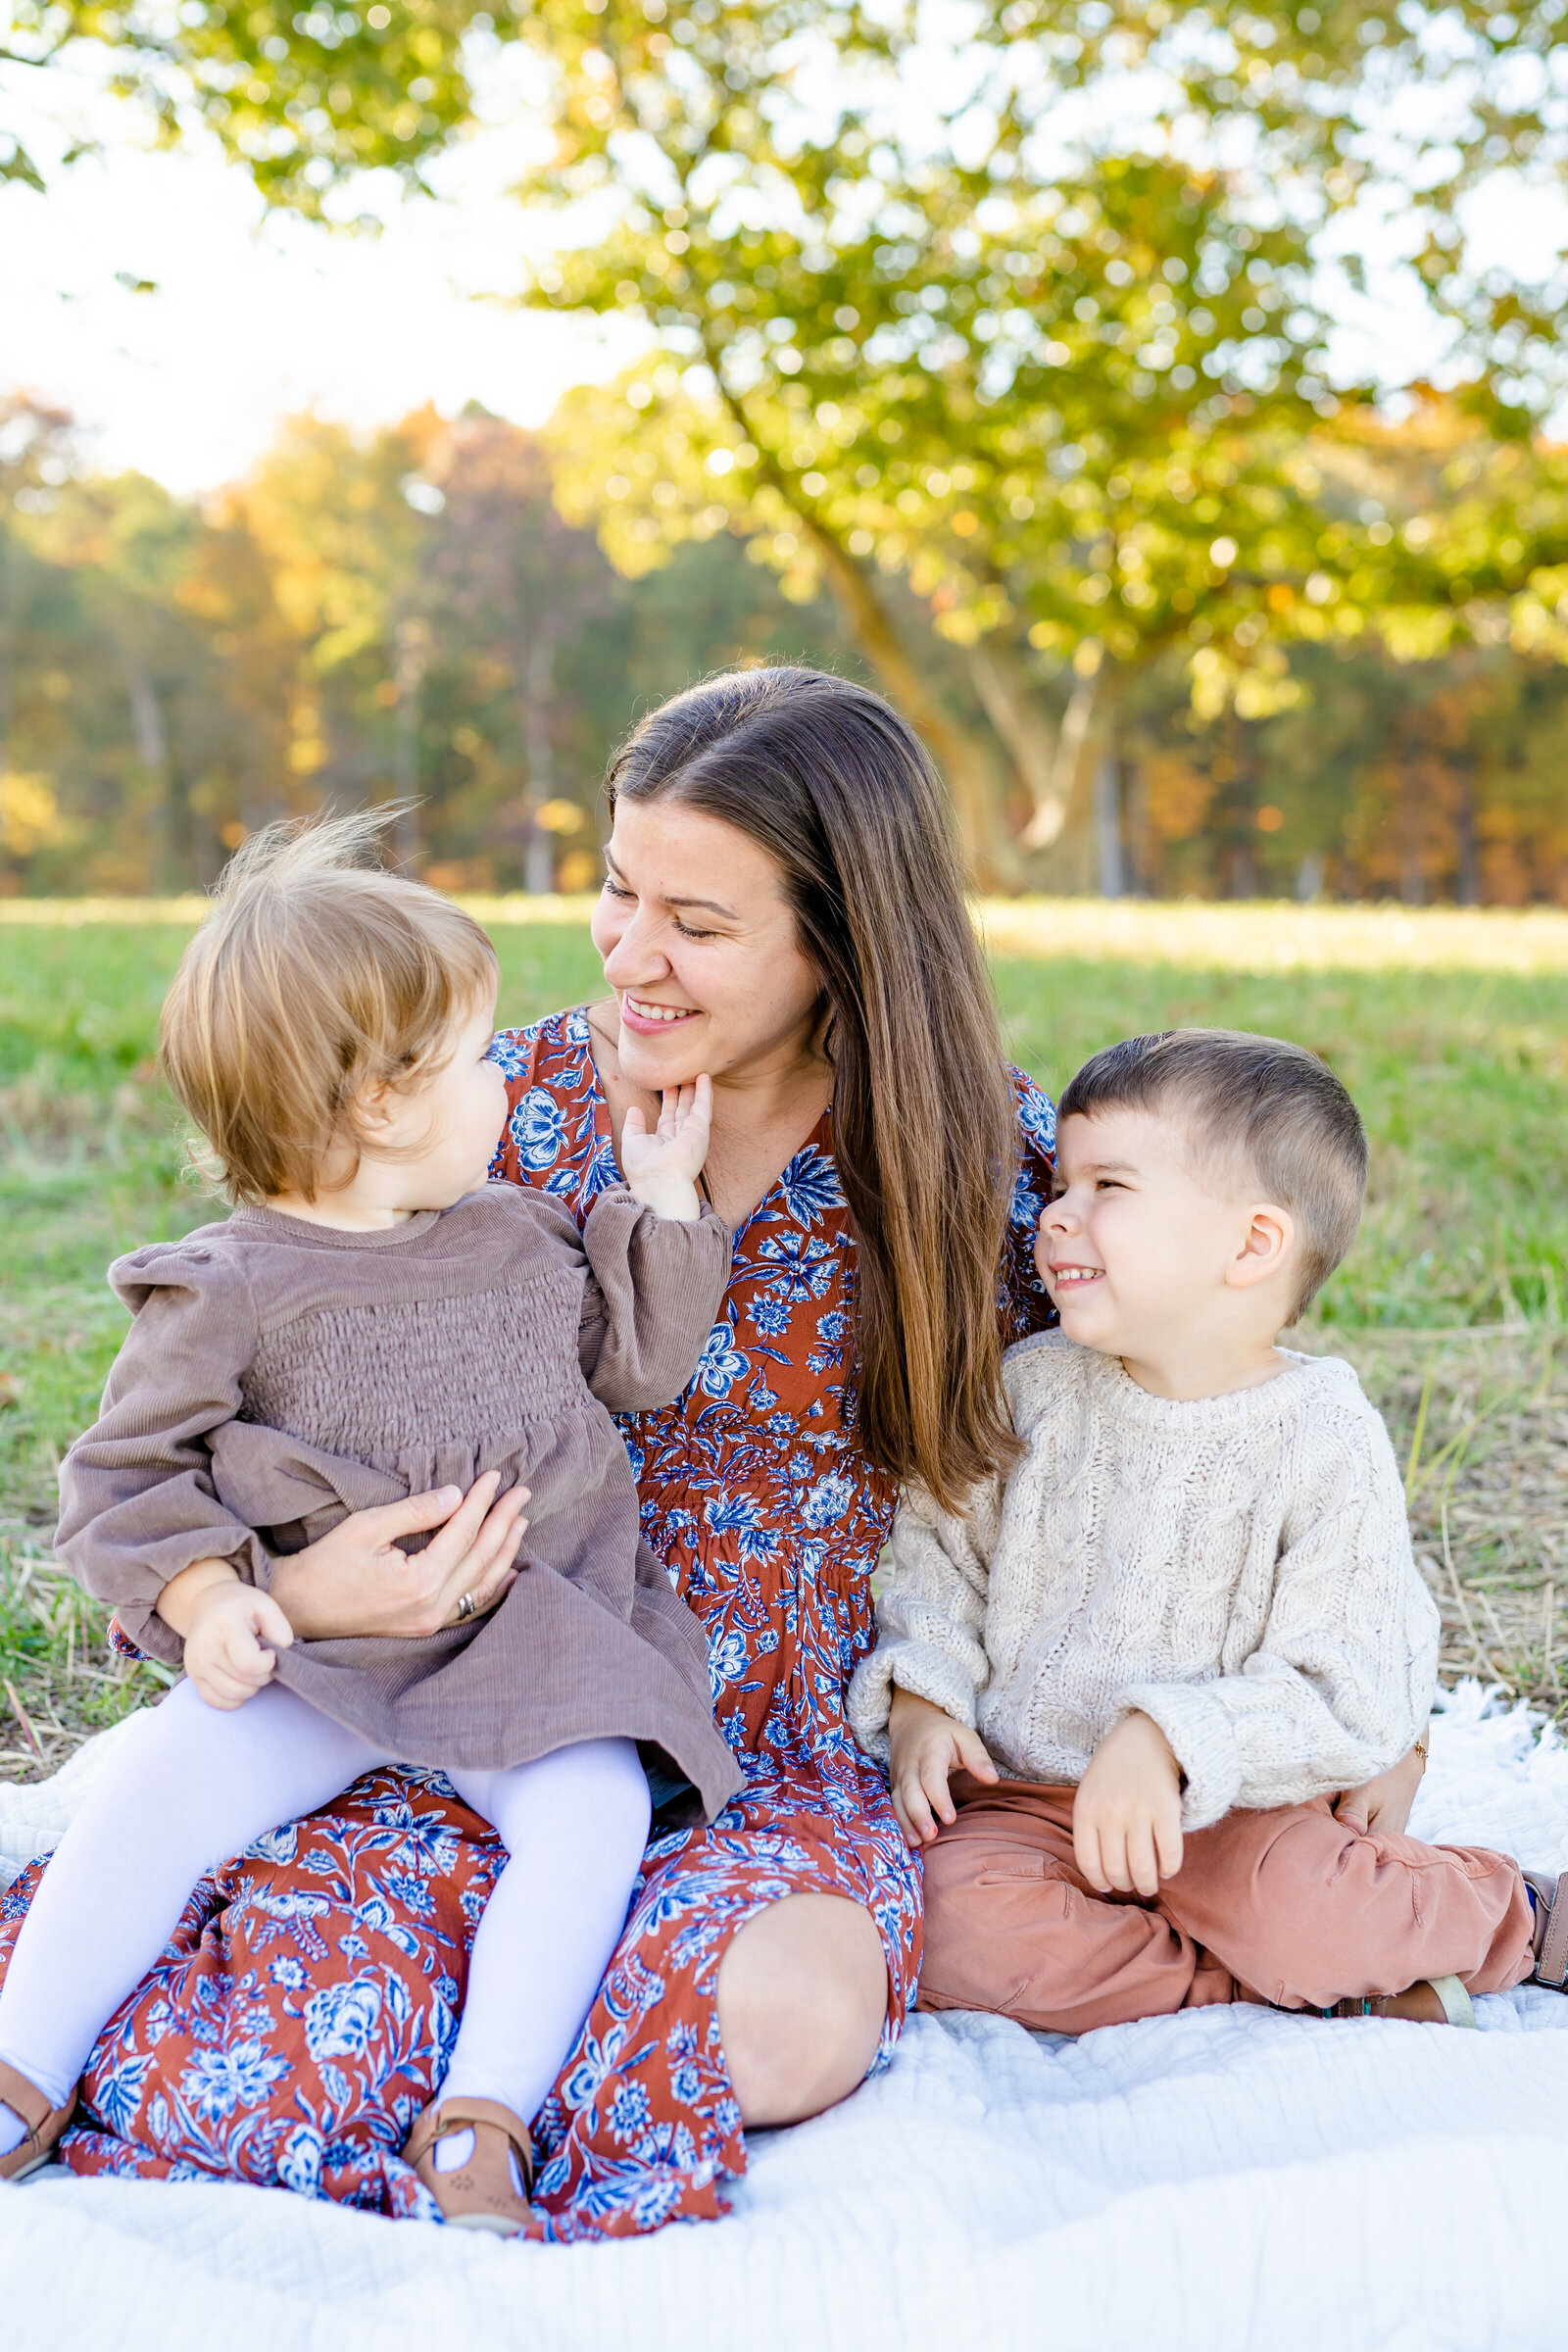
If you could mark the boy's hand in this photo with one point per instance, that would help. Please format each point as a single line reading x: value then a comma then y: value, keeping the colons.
x: 1127, y: 1816
x: 661, y: 1169
x: 927, y: 1745
x: 227, y: 1626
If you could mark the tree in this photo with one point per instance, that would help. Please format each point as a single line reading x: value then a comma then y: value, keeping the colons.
x: 304, y: 101
x: 1062, y: 388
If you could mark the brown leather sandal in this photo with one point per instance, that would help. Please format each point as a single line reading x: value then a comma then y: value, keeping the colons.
x: 45, y: 2123
x: 1435, y: 2001
x: 1549, y: 1927
x: 479, y: 2194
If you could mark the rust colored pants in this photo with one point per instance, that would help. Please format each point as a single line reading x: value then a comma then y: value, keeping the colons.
x: 1292, y: 1907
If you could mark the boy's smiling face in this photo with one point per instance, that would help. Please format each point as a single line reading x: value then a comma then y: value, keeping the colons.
x: 1152, y: 1254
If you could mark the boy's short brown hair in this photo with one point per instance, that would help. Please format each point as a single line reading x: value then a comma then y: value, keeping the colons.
x: 316, y: 977
x: 1260, y: 1101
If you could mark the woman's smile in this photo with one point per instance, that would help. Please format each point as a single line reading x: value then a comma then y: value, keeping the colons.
x: 643, y: 1014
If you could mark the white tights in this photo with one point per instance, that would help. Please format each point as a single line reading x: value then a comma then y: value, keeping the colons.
x: 192, y: 1784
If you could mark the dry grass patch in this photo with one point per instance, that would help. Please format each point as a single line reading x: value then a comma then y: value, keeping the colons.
x: 1480, y: 1422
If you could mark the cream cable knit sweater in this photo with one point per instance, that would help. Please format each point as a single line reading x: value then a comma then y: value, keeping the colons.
x: 1238, y: 1567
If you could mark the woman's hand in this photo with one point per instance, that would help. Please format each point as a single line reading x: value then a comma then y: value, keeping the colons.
x: 661, y: 1169
x: 1383, y: 1806
x: 357, y: 1581
x: 927, y: 1747
x: 1127, y: 1815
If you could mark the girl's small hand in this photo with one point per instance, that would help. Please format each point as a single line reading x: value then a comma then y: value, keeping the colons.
x: 927, y: 1747
x: 228, y: 1631
x: 661, y: 1169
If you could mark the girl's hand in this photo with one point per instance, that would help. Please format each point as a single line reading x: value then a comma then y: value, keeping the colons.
x: 229, y: 1627
x: 357, y: 1581
x: 927, y: 1745
x: 661, y: 1169
x: 1127, y: 1815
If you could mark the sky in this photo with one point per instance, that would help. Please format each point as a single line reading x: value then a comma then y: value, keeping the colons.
x: 255, y: 318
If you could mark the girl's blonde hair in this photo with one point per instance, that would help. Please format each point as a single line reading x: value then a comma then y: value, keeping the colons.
x: 316, y: 977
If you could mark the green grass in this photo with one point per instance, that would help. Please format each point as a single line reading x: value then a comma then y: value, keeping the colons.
x: 1462, y: 1078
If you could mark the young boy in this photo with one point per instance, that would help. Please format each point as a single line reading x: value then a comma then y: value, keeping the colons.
x: 1190, y: 1618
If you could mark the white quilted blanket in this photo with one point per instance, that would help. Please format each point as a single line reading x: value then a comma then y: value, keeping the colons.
x: 1229, y: 2179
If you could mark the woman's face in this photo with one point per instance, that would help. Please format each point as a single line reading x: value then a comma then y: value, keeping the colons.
x: 699, y: 947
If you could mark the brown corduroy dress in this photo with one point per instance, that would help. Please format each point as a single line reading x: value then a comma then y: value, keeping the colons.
x: 279, y: 1374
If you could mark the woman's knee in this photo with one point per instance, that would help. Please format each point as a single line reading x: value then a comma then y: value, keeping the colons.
x: 802, y: 1993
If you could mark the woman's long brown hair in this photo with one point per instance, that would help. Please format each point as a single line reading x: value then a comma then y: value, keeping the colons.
x: 830, y: 781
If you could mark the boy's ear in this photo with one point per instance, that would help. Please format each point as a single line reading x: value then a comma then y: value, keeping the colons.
x: 1268, y: 1240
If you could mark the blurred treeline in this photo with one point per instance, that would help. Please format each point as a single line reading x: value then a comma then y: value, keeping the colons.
x: 401, y: 616
x: 408, y: 615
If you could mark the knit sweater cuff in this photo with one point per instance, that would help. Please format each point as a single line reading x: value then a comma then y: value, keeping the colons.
x: 1202, y: 1739
x: 913, y: 1666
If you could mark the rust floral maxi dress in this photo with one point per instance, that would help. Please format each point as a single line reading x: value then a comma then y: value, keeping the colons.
x: 303, y: 2011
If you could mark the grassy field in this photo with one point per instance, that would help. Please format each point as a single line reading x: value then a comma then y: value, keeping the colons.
x: 1450, y: 1030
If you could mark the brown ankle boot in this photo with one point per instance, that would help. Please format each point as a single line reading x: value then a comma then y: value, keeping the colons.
x: 479, y: 2194
x: 45, y: 2123
x: 1549, y: 1927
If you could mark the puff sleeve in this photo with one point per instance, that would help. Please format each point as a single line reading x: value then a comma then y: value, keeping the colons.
x: 137, y: 1500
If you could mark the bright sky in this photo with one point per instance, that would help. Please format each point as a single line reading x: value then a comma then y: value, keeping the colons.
x: 254, y: 319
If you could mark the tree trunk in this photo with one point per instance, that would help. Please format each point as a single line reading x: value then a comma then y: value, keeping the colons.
x: 1109, y: 871
x: 411, y: 646
x: 1412, y: 880
x: 152, y: 751
x: 959, y: 754
x: 1467, y: 876
x: 1050, y: 816
x: 1008, y: 696
x: 7, y: 876
x: 539, y: 870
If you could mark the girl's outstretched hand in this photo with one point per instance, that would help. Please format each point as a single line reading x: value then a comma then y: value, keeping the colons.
x: 661, y: 1169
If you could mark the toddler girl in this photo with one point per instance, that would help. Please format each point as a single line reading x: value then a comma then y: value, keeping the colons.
x: 374, y: 1321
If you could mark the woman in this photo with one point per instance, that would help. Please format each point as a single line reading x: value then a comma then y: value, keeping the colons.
x: 783, y: 910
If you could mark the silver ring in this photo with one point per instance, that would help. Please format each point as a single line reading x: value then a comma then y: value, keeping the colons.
x: 466, y: 1608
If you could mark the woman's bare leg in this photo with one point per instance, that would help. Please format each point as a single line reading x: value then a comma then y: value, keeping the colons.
x: 802, y: 1991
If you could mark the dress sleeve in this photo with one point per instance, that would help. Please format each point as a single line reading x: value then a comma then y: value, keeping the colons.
x: 137, y: 1500
x: 1343, y: 1680
x: 931, y: 1619
x: 1026, y: 1305
x: 653, y: 1291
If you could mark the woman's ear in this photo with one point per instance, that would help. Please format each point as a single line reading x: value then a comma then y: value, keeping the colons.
x: 1268, y: 1240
